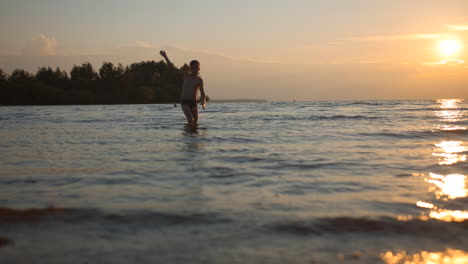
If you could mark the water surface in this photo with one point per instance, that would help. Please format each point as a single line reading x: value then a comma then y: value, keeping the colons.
x: 274, y: 182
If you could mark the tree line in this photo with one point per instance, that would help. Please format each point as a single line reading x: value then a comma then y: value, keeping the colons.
x: 140, y: 83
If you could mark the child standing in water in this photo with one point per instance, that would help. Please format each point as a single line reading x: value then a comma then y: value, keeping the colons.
x: 192, y: 83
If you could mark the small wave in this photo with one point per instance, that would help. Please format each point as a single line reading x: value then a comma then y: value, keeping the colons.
x: 437, y: 109
x: 450, y: 132
x: 422, y: 109
x: 242, y: 159
x: 33, y: 214
x: 319, y: 188
x: 367, y: 225
x: 369, y: 103
x: 419, y: 134
x: 27, y: 181
x: 239, y: 140
x: 319, y: 117
x: 318, y: 165
x: 71, y: 215
x: 451, y: 109
x: 19, y: 116
x: 4, y: 242
x: 86, y: 121
x: 339, y: 117
x: 455, y: 204
x: 402, y: 135
x: 404, y: 175
x: 223, y: 172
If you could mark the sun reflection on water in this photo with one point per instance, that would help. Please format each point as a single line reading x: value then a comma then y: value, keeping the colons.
x: 445, y: 187
x: 449, y: 103
x: 449, y: 256
x: 449, y: 115
x: 451, y: 186
x: 449, y: 112
x: 441, y: 214
x: 451, y: 128
x: 449, y: 215
x: 449, y: 150
x: 425, y: 205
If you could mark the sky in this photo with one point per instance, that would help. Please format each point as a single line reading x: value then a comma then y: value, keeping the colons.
x: 274, y: 50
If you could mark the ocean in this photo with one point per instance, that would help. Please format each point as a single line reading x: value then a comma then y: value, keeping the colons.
x: 262, y: 182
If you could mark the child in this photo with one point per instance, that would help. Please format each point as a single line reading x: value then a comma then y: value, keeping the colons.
x: 192, y: 82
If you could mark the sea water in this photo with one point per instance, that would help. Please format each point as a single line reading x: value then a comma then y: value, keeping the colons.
x: 273, y: 182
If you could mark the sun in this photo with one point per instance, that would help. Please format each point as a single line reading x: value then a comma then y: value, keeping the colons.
x: 449, y: 47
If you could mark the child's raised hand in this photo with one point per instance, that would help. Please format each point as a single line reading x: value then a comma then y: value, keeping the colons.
x: 163, y: 53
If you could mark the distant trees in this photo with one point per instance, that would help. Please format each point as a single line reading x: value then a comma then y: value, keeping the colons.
x: 19, y: 75
x: 3, y: 85
x: 110, y: 73
x: 3, y: 78
x: 85, y: 72
x: 50, y: 77
x: 143, y: 82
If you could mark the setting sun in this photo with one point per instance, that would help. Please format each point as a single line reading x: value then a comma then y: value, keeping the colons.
x: 450, y: 47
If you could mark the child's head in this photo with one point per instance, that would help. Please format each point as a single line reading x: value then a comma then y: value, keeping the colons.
x: 194, y: 67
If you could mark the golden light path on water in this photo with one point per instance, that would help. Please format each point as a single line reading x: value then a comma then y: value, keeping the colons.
x: 449, y: 115
x: 449, y: 103
x: 449, y: 152
x: 451, y: 186
x: 449, y: 256
x: 449, y: 112
x: 448, y: 128
x: 445, y: 188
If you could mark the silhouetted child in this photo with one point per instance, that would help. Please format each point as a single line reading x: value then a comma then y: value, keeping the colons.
x: 192, y: 83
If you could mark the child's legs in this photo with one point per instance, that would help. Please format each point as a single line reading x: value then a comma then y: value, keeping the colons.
x: 194, y: 111
x: 188, y: 113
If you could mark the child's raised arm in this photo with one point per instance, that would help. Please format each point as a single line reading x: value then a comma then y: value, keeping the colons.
x: 169, y: 63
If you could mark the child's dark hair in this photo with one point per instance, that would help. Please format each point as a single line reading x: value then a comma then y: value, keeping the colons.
x: 194, y: 63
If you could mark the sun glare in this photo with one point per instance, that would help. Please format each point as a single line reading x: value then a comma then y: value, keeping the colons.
x: 450, y: 47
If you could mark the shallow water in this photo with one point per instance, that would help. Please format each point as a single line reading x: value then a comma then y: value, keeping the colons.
x: 276, y: 182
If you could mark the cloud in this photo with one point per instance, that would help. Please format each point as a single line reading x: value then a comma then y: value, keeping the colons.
x: 398, y: 37
x: 40, y: 46
x: 454, y: 68
x: 451, y: 67
x: 223, y: 55
x: 149, y: 49
x: 143, y: 44
x: 451, y: 62
x: 457, y: 27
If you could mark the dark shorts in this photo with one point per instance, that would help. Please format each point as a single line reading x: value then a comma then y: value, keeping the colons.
x: 191, y: 103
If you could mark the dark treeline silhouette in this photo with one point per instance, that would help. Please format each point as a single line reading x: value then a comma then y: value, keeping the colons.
x: 139, y: 83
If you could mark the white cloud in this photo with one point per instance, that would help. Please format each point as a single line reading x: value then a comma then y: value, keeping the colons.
x: 399, y: 37
x: 457, y: 27
x: 453, y: 62
x: 141, y: 50
x: 40, y: 46
x: 143, y: 44
x: 222, y: 55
